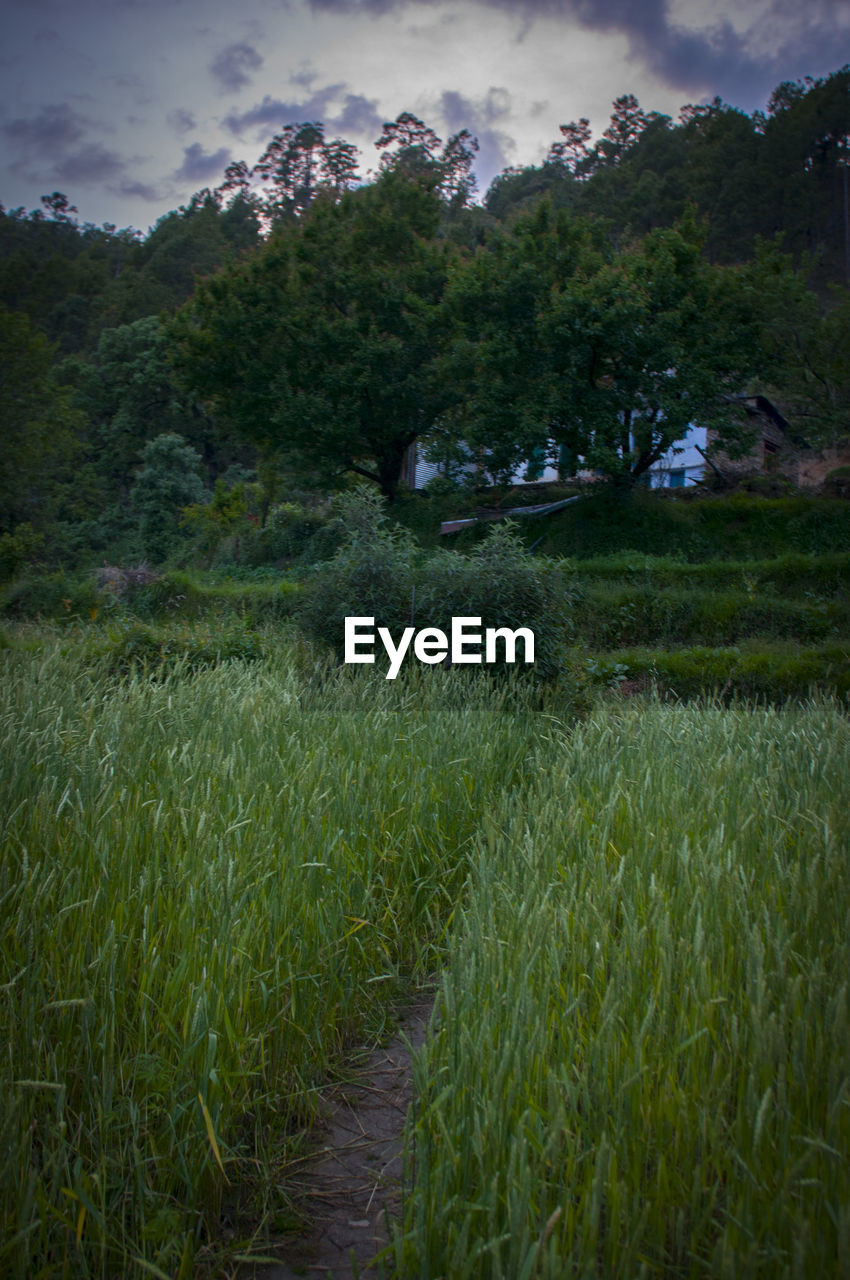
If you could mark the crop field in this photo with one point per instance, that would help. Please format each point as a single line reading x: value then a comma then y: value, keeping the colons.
x: 214, y: 882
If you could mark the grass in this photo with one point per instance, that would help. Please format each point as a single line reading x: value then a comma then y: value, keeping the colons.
x: 641, y: 1061
x: 771, y: 672
x: 741, y: 527
x: 211, y: 884
x: 223, y: 858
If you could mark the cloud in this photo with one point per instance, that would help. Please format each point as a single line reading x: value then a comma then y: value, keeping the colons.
x: 702, y: 57
x: 52, y: 130
x: 198, y: 164
x: 480, y: 117
x: 232, y: 67
x: 137, y: 190
x: 181, y: 120
x: 274, y: 113
x: 89, y: 163
x: 52, y: 147
x: 358, y: 115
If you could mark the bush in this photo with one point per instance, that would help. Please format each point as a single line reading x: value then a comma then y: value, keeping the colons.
x: 500, y: 583
x: 144, y: 647
x: 51, y: 595
x: 168, y: 482
x: 292, y: 533
x: 21, y: 547
x: 378, y: 573
x: 370, y: 575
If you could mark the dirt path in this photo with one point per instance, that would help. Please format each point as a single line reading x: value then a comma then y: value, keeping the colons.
x: 352, y: 1181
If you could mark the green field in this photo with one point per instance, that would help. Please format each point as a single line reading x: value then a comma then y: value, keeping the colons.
x: 214, y: 883
x: 225, y: 858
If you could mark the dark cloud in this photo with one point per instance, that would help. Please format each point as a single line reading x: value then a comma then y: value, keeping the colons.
x: 137, y: 190
x: 714, y: 59
x: 233, y: 66
x: 480, y: 117
x: 181, y: 120
x: 89, y: 163
x: 274, y: 113
x: 374, y: 7
x: 198, y: 165
x: 358, y: 115
x: 51, y: 131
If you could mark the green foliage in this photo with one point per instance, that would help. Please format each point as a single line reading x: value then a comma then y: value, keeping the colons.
x: 216, y: 883
x: 293, y: 534
x: 697, y: 529
x: 614, y: 614
x: 22, y: 546
x: 60, y: 596
x: 378, y: 573
x: 638, y: 1059
x: 756, y: 669
x: 806, y: 348
x: 564, y: 341
x: 186, y: 595
x: 38, y: 423
x: 792, y: 575
x: 370, y: 575
x: 321, y: 349
x: 168, y: 481
x: 158, y: 651
x: 750, y: 176
x: 501, y: 584
x: 221, y: 517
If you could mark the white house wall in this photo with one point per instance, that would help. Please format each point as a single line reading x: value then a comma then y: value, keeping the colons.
x: 683, y: 466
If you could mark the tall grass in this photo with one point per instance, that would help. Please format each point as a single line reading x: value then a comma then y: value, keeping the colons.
x: 642, y: 1059
x: 210, y: 884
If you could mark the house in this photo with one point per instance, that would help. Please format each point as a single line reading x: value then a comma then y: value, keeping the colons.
x: 682, y: 465
x: 778, y: 449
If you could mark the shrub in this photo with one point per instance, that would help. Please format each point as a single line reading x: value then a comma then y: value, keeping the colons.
x: 377, y: 573
x: 21, y: 547
x: 371, y: 574
x: 51, y: 595
x: 140, y: 646
x: 168, y: 482
x: 504, y: 586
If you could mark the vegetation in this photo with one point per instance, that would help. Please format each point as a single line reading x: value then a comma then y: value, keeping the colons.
x: 226, y: 853
x: 641, y: 1053
x: 259, y: 883
x: 489, y: 335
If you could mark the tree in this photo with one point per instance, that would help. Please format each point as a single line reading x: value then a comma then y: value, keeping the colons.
x: 572, y: 150
x: 168, y: 481
x: 805, y: 346
x: 562, y: 341
x: 322, y: 348
x: 298, y: 163
x: 411, y: 148
x: 628, y: 122
x: 39, y: 429
x: 129, y: 396
x: 408, y: 145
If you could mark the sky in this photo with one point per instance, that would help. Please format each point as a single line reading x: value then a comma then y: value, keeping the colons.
x: 131, y: 106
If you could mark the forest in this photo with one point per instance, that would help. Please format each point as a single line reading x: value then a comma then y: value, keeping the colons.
x: 301, y: 325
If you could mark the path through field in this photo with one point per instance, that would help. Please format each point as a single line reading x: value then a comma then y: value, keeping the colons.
x: 352, y: 1180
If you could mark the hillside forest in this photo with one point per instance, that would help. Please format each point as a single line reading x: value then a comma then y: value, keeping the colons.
x: 617, y: 873
x: 302, y: 324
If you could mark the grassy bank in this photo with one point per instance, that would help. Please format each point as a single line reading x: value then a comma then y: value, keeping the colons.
x: 211, y: 884
x: 641, y: 1061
